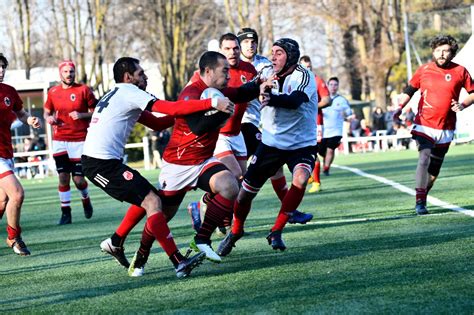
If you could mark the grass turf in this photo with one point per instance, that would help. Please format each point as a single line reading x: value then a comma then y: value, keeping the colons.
x: 365, y: 252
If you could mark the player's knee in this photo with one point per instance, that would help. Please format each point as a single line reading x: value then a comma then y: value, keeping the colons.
x: 17, y: 196
x: 151, y: 203
x: 230, y: 189
x: 300, y: 177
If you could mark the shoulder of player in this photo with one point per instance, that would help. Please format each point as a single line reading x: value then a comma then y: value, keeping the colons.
x: 191, y: 92
x: 8, y: 88
x: 247, y: 67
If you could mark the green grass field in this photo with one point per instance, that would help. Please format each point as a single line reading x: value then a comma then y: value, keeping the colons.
x: 365, y: 252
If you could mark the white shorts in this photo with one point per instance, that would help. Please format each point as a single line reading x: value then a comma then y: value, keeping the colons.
x: 231, y: 145
x: 6, y: 167
x: 72, y: 149
x: 175, y: 178
x: 319, y: 133
x: 439, y: 137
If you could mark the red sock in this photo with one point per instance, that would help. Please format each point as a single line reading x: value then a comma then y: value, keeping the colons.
x: 280, y: 187
x: 133, y: 215
x: 421, y: 194
x: 290, y: 203
x: 316, y: 172
x: 241, y: 211
x: 218, y: 209
x: 13, y: 233
x: 326, y: 168
x: 156, y: 224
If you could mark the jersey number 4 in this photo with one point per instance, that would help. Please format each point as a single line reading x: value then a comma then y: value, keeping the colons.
x: 104, y: 101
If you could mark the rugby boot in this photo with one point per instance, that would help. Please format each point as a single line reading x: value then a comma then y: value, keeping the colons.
x: 185, y: 267
x: 226, y: 245
x: 87, y: 205
x: 66, y: 217
x: 203, y: 246
x: 137, y: 266
x: 274, y: 239
x: 18, y: 246
x: 299, y: 217
x: 118, y: 252
x: 420, y: 208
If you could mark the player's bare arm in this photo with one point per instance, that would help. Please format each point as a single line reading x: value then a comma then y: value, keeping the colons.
x: 49, y: 117
x: 457, y: 106
x: 75, y: 115
x: 25, y: 118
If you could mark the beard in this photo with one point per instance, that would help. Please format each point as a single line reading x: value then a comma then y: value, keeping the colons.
x: 442, y: 62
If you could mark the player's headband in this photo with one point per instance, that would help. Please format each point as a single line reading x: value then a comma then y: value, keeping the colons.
x: 65, y: 63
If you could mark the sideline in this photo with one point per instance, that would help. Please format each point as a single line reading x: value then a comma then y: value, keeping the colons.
x: 405, y: 189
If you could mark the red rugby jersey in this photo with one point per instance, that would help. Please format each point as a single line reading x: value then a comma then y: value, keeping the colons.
x: 10, y: 102
x: 185, y: 147
x: 438, y: 86
x: 323, y: 91
x: 239, y: 75
x: 61, y: 101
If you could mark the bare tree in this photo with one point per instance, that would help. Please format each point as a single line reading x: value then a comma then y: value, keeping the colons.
x: 177, y: 34
x: 24, y: 15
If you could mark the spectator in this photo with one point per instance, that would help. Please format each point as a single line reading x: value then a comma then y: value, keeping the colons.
x: 354, y: 129
x: 378, y: 120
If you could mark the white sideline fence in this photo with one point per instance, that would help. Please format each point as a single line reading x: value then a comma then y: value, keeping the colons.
x: 40, y: 168
x: 378, y: 143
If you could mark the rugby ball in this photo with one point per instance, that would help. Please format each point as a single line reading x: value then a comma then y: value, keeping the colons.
x: 211, y: 93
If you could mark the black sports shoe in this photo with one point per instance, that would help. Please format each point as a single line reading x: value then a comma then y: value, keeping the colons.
x: 274, y: 239
x: 188, y: 264
x: 87, y: 205
x: 66, y: 217
x: 225, y: 246
x: 299, y: 217
x: 420, y: 208
x: 115, y: 251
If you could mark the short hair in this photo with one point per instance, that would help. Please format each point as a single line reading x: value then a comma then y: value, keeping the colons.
x: 124, y: 65
x: 210, y: 59
x: 441, y: 39
x: 305, y: 58
x: 228, y: 36
x: 4, y: 59
x: 333, y: 79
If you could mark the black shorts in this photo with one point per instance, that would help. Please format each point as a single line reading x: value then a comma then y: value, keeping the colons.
x: 326, y: 143
x: 267, y: 160
x: 252, y: 137
x: 65, y: 165
x: 117, y: 179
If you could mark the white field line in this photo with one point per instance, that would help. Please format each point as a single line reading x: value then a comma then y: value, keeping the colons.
x: 405, y: 189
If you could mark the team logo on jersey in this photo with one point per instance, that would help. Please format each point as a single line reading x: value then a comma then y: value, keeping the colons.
x: 73, y: 97
x: 186, y: 98
x: 127, y: 175
x: 447, y: 77
x: 243, y: 79
x: 7, y: 101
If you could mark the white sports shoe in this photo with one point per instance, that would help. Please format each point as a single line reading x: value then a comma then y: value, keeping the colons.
x: 137, y: 266
x: 207, y: 249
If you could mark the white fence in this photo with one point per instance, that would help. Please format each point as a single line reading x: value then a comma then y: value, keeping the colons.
x: 39, y: 167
